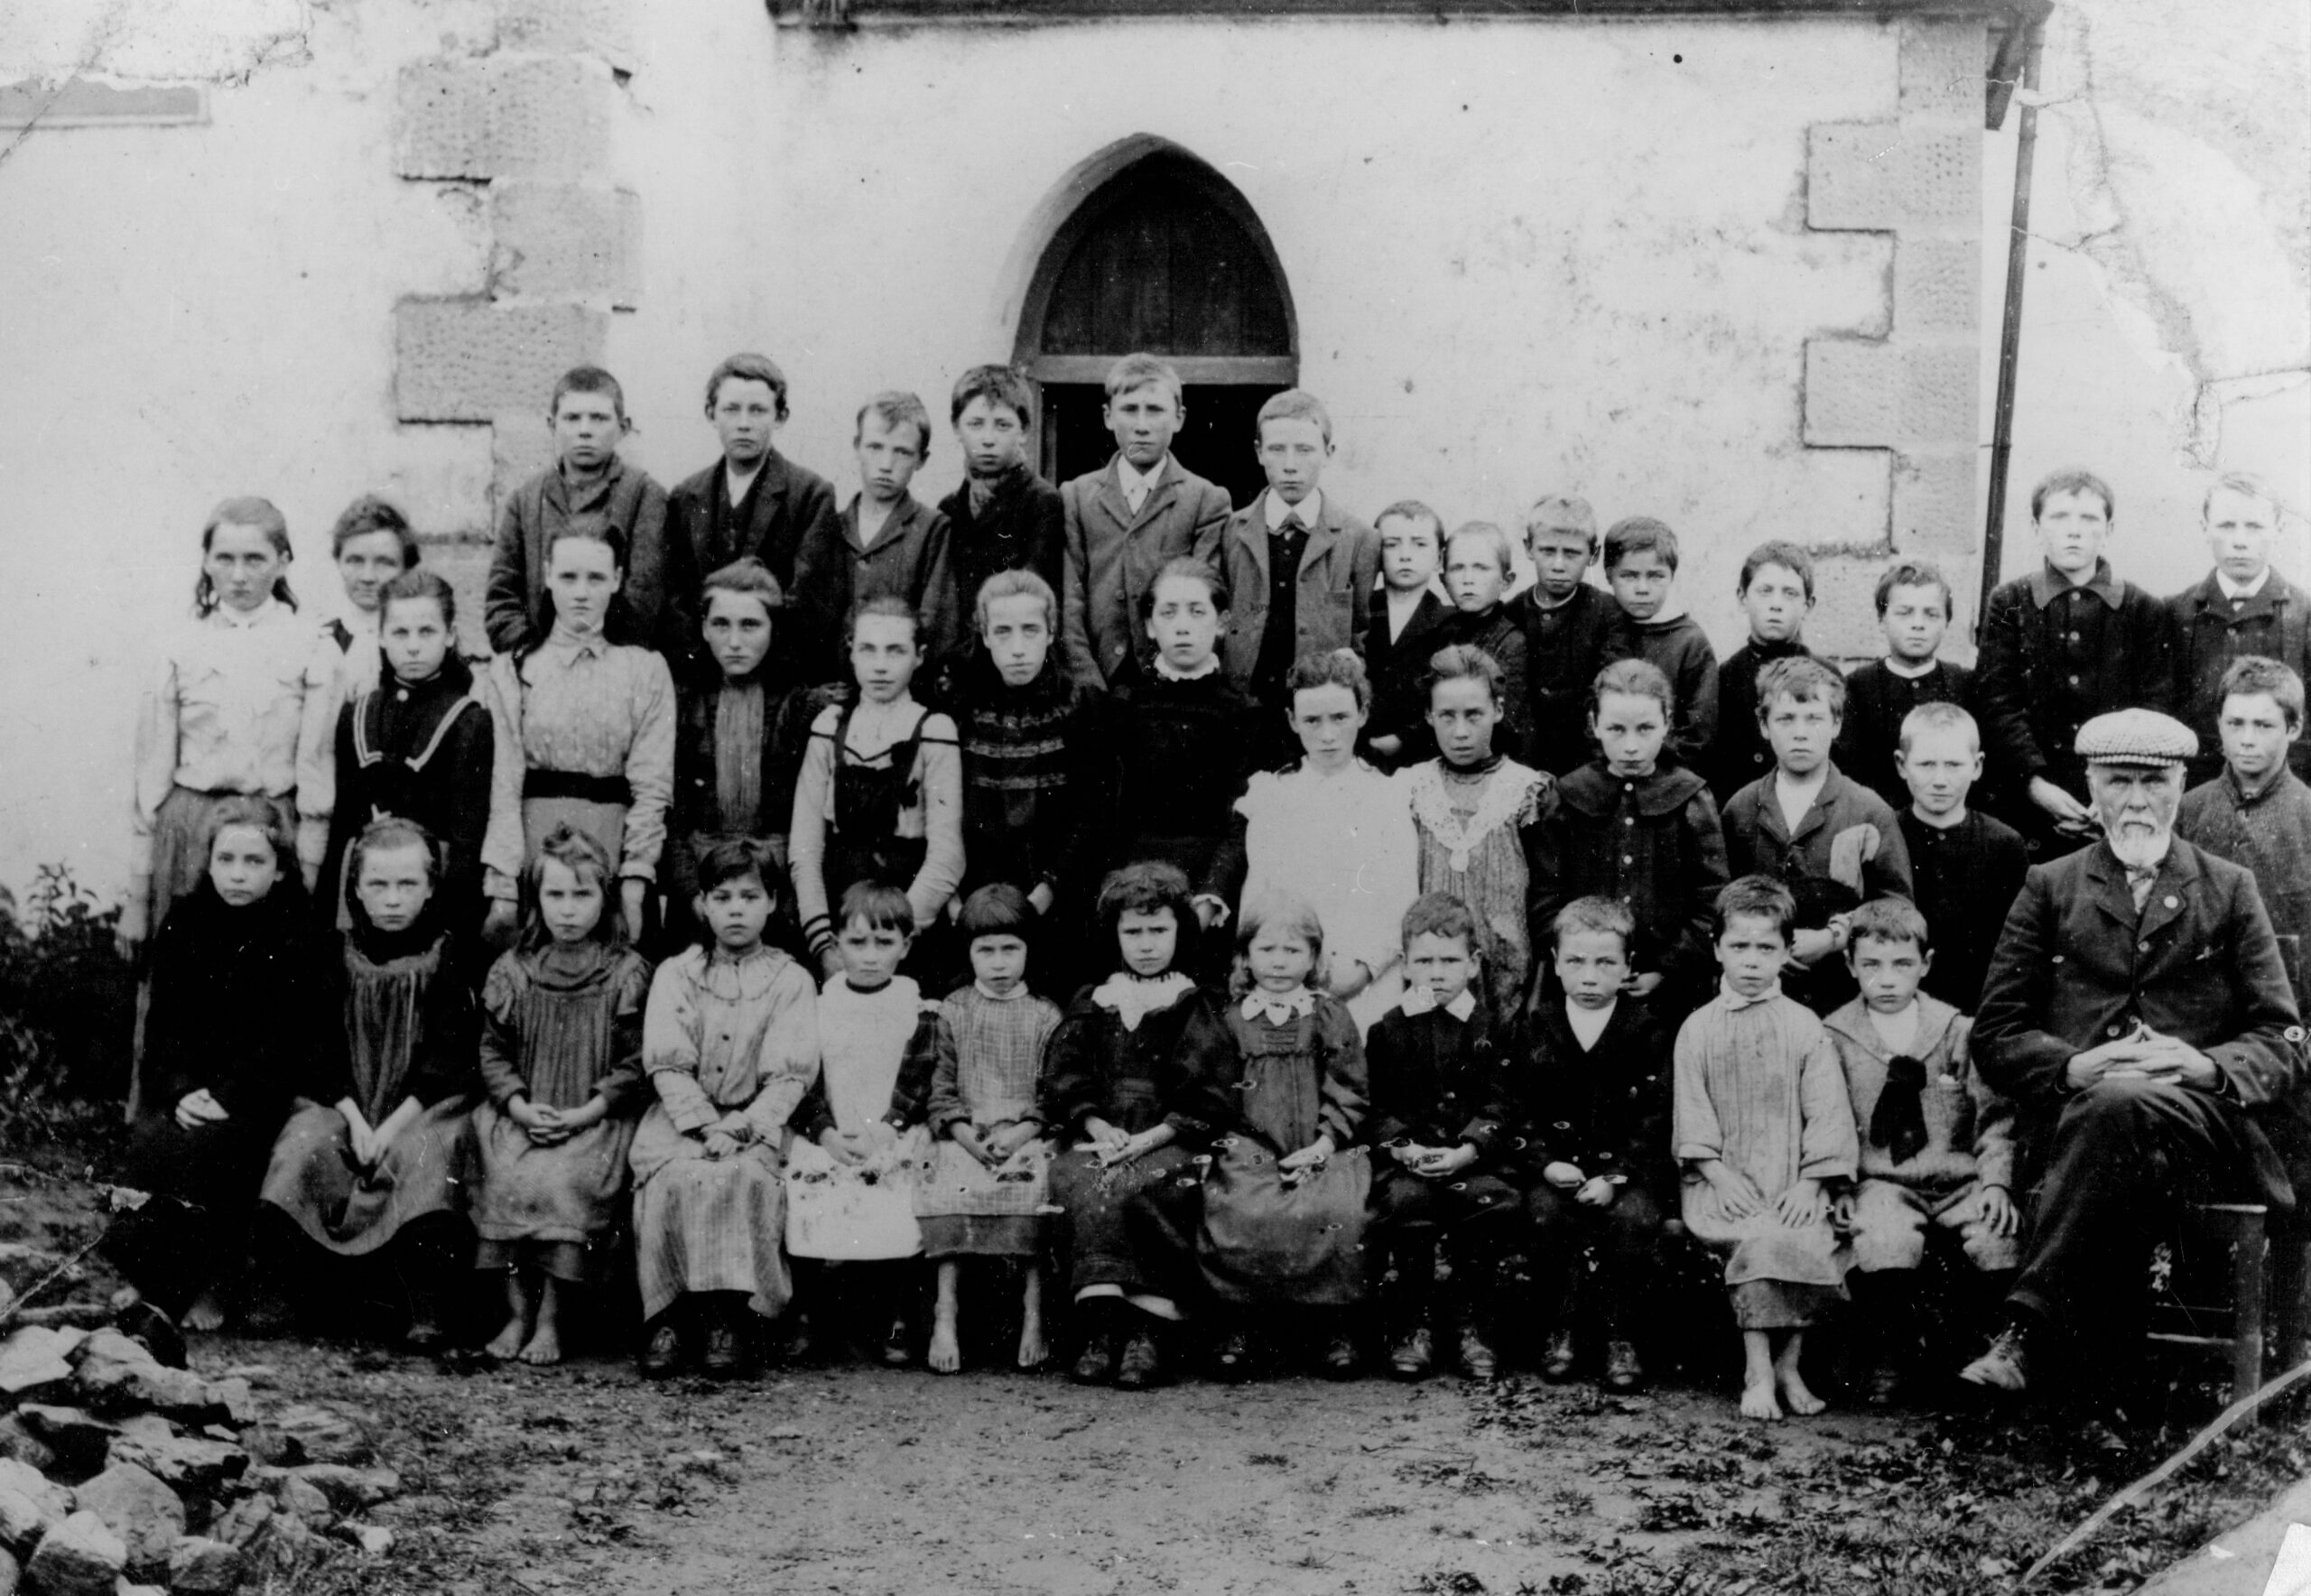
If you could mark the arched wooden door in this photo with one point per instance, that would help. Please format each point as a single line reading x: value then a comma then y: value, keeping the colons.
x: 1168, y: 257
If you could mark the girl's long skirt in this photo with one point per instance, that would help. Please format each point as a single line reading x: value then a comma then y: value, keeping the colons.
x: 558, y: 1205
x: 708, y: 1224
x: 1267, y: 1239
x: 351, y: 1213
x: 1779, y: 1277
x: 180, y: 859
x: 968, y: 1209
x: 201, y: 1193
x: 1130, y: 1225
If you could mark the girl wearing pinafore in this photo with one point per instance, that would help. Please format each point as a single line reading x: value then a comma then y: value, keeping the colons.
x: 592, y: 723
x: 1283, y: 1200
x: 371, y: 1158
x: 223, y: 718
x: 1475, y: 812
x: 880, y: 794
x: 562, y: 1061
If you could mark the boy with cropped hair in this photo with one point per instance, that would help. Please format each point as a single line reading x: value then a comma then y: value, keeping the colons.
x: 1125, y: 521
x: 1937, y: 1144
x: 1914, y: 608
x: 1406, y: 625
x: 2060, y: 646
x: 1477, y: 566
x: 1565, y: 620
x: 1777, y: 593
x: 1300, y: 567
x: 1832, y: 841
x: 752, y: 502
x: 1002, y: 515
x: 587, y: 415
x: 1641, y: 568
x: 2242, y: 608
x: 1966, y: 867
x: 2258, y: 812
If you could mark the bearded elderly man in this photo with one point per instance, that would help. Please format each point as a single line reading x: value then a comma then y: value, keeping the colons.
x: 2138, y: 1015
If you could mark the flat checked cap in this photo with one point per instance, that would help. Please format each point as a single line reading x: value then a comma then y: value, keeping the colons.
x: 2136, y: 737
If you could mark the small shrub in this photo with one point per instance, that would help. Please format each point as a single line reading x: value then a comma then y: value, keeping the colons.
x: 68, y: 1005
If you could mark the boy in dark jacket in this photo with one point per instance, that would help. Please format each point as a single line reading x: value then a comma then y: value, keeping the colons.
x: 1776, y: 594
x: 1437, y: 1115
x: 1408, y: 621
x: 1641, y: 565
x: 1595, y: 1098
x: 1913, y: 600
x: 1565, y: 620
x: 1001, y: 516
x: 2242, y: 608
x: 2258, y: 811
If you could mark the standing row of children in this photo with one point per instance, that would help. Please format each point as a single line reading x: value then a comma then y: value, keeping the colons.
x: 584, y: 732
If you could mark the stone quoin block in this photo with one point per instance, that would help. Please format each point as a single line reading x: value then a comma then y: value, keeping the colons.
x: 1853, y: 394
x: 569, y: 27
x: 1942, y: 65
x: 1940, y: 385
x: 502, y: 116
x: 1939, y: 180
x: 571, y: 240
x: 1937, y: 285
x: 1850, y: 176
x: 470, y: 360
x: 1934, y: 506
x: 1843, y: 624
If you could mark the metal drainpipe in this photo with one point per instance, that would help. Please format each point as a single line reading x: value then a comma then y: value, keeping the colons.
x: 2029, y: 27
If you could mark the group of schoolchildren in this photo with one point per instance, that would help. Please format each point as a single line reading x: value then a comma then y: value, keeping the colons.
x: 1231, y: 911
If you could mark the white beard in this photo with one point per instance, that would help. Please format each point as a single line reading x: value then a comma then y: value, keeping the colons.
x: 2140, y: 851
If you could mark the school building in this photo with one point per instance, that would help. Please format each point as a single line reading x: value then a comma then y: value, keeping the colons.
x: 1739, y: 266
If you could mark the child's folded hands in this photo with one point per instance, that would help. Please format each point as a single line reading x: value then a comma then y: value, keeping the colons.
x: 1438, y: 1162
x: 1737, y: 1193
x: 1596, y: 1191
x: 1563, y: 1176
x: 1308, y: 1160
x: 1802, y: 1204
x: 1004, y: 1139
x: 198, y: 1108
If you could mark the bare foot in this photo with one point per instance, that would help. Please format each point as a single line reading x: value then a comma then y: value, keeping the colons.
x: 1033, y: 1352
x: 545, y: 1348
x: 507, y: 1342
x: 206, y: 1313
x: 1795, y: 1394
x: 1758, y: 1401
x: 946, y: 1355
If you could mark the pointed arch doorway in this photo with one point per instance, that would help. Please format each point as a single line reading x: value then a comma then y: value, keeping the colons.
x: 1164, y: 255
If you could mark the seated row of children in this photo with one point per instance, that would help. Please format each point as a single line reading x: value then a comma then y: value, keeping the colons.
x: 1186, y: 1153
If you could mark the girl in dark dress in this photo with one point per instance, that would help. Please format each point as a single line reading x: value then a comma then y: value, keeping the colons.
x: 239, y: 1006
x: 1120, y: 1095
x: 370, y: 1168
x: 417, y: 746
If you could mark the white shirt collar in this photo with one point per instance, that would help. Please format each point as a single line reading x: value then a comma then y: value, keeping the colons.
x: 1133, y: 480
x: 224, y: 614
x: 1736, y: 1002
x: 1171, y: 672
x: 1588, y: 1023
x: 1311, y: 510
x: 1909, y: 671
x: 1012, y: 996
x: 737, y: 484
x: 1420, y: 1001
x: 1280, y: 1007
x: 2234, y: 590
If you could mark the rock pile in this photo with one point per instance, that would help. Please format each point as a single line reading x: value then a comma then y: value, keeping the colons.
x: 124, y: 1473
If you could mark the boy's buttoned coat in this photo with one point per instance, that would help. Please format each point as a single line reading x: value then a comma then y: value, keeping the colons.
x: 1331, y: 597
x: 2209, y: 634
x: 785, y: 504
x: 1113, y: 556
x: 2270, y: 835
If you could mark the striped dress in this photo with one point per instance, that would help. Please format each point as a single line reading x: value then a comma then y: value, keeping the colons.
x: 722, y: 1033
x: 990, y: 1064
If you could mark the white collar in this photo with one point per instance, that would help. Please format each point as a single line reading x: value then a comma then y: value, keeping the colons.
x: 241, y: 620
x: 1134, y: 997
x: 2235, y: 590
x: 737, y: 484
x: 1311, y: 510
x: 1588, y: 1023
x: 1908, y: 672
x: 1420, y: 1001
x: 1280, y: 1007
x: 1128, y: 475
x: 1171, y: 672
x: 1735, y: 1002
x: 1013, y: 996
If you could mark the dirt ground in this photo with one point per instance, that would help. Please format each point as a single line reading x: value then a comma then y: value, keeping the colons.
x: 856, y: 1479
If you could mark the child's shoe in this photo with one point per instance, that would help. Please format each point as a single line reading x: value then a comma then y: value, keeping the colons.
x: 1095, y: 1365
x: 1623, y: 1372
x: 1557, y: 1357
x: 725, y: 1357
x: 1882, y: 1384
x: 1413, y: 1356
x: 1233, y: 1355
x: 1142, y: 1365
x: 1341, y: 1356
x: 662, y: 1354
x: 1478, y: 1360
x: 898, y: 1344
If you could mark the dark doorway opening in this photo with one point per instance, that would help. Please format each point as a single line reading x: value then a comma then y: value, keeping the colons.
x: 1165, y: 256
x: 1215, y: 441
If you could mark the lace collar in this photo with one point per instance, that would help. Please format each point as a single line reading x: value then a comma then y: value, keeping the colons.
x: 1134, y: 997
